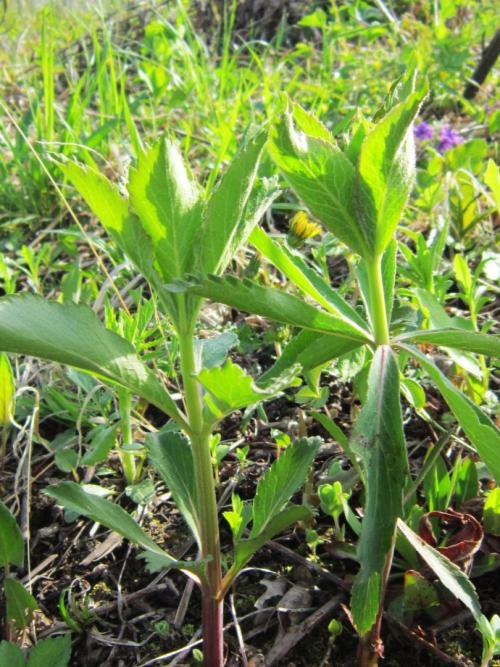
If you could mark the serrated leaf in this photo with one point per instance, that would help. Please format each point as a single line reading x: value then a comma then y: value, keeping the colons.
x: 112, y: 210
x: 319, y: 173
x: 171, y: 455
x: 11, y: 539
x: 11, y: 655
x: 479, y: 428
x: 468, y: 341
x: 385, y: 173
x: 293, y: 266
x: 168, y: 203
x: 231, y: 388
x: 275, y: 304
x: 378, y: 440
x: 55, y: 652
x: 310, y: 350
x: 71, y: 334
x: 281, y: 481
x: 245, y: 548
x: 447, y: 572
x: 72, y: 497
x: 231, y: 213
x: 20, y: 604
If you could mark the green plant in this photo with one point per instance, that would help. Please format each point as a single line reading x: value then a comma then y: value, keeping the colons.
x: 158, y: 227
x: 52, y: 651
x: 359, y: 195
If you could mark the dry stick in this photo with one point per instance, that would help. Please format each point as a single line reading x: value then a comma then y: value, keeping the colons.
x: 488, y: 59
x: 68, y: 206
x: 237, y: 627
x: 294, y: 635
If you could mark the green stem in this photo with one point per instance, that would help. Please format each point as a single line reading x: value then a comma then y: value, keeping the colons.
x: 378, y: 309
x: 127, y: 459
x: 207, y: 501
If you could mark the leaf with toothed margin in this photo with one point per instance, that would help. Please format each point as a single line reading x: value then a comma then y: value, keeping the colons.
x: 478, y: 427
x: 73, y: 497
x: 378, y: 440
x: 274, y: 304
x: 230, y: 388
x: 71, y: 334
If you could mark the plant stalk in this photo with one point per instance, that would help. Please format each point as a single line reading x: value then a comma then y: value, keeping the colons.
x: 127, y: 459
x: 378, y: 309
x: 212, y: 605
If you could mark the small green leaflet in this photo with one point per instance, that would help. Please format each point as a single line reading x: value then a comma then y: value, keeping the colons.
x: 11, y: 539
x: 478, y: 427
x: 171, y: 455
x: 275, y: 304
x: 281, y: 481
x: 274, y: 490
x: 71, y: 333
x: 54, y: 651
x: 378, y: 440
x: 71, y: 496
x: 231, y: 388
x: 20, y: 604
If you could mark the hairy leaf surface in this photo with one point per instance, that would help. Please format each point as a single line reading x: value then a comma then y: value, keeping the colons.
x: 275, y: 304
x: 378, y: 440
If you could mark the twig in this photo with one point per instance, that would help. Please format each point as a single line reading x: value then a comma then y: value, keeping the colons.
x: 298, y: 632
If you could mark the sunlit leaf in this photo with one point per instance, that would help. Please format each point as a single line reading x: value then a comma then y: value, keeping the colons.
x: 71, y: 334
x: 379, y: 442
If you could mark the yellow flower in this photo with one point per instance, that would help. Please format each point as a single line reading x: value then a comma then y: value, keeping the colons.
x: 302, y: 228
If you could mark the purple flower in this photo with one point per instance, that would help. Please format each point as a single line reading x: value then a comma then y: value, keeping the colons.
x: 448, y: 139
x: 423, y: 131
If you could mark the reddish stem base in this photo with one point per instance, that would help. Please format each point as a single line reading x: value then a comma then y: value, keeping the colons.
x: 213, y: 632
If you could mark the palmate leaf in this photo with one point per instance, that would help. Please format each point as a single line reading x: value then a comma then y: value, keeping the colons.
x: 385, y: 173
x: 11, y: 539
x: 319, y: 173
x: 460, y: 339
x: 275, y: 304
x: 71, y: 334
x: 171, y: 455
x: 71, y: 496
x: 478, y: 427
x: 168, y: 203
x: 378, y: 440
